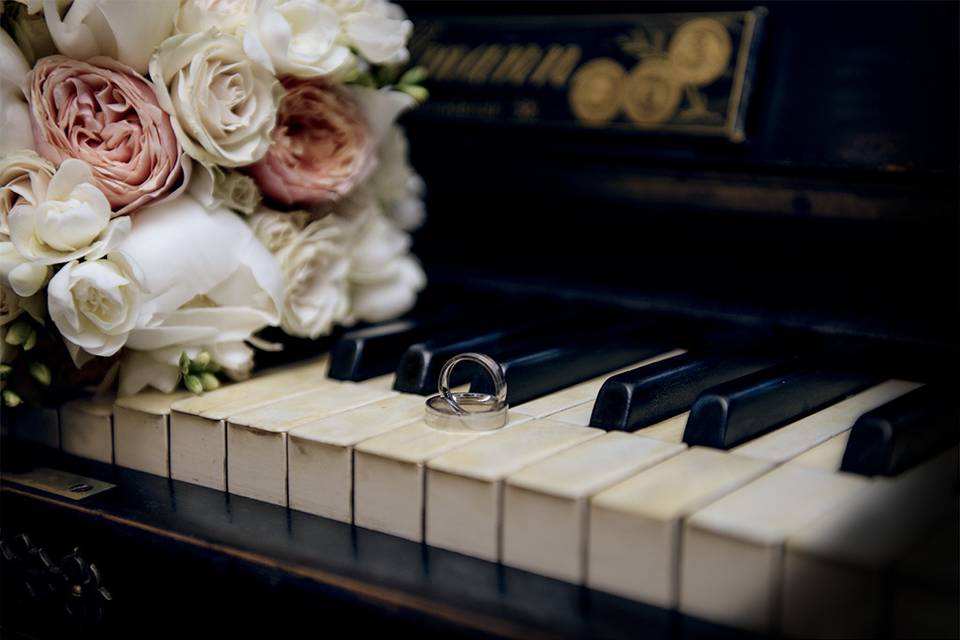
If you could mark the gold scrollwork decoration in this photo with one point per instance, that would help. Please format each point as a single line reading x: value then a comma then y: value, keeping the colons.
x: 595, y: 90
x: 651, y: 93
x: 700, y: 51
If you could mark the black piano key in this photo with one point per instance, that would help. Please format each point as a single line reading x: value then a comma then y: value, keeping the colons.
x: 646, y: 395
x: 734, y: 412
x: 902, y: 433
x: 582, y: 357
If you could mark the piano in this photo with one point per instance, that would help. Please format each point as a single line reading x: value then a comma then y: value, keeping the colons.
x: 714, y: 247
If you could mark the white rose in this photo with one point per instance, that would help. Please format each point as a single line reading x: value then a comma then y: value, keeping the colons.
x: 223, y: 287
x: 384, y: 277
x: 125, y: 30
x: 24, y: 177
x: 396, y: 185
x: 18, y: 273
x: 15, y: 132
x: 71, y: 220
x: 378, y: 29
x: 315, y: 268
x: 298, y: 38
x: 276, y: 229
x: 229, y: 16
x: 95, y: 304
x: 223, y: 106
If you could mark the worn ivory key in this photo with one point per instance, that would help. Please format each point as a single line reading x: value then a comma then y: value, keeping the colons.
x: 731, y: 566
x: 198, y: 439
x: 545, y: 505
x: 793, y: 439
x: 86, y: 428
x: 257, y: 439
x: 320, y: 453
x: 579, y: 393
x: 465, y: 485
x: 838, y: 570
x: 670, y: 430
x: 634, y: 539
x: 389, y: 474
x: 141, y: 431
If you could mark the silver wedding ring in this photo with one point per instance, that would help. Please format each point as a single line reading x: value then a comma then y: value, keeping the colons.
x: 466, y: 410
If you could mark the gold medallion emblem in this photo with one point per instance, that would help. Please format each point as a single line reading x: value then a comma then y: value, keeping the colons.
x: 595, y: 91
x: 651, y: 93
x: 700, y: 51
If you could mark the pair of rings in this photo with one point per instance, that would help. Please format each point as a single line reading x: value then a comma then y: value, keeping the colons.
x: 467, y: 410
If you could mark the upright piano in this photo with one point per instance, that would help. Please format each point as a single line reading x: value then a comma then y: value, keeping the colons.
x: 714, y: 246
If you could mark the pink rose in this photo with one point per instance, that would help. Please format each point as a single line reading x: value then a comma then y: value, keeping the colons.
x: 321, y: 146
x: 104, y: 113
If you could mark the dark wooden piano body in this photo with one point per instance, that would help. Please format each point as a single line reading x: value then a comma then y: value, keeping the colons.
x: 833, y: 221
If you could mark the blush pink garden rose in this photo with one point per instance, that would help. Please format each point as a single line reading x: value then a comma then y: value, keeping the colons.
x: 322, y: 147
x: 104, y: 113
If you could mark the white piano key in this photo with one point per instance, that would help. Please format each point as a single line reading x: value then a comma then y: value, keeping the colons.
x: 545, y: 518
x: 198, y: 438
x: 141, y: 431
x: 826, y: 456
x: 925, y: 601
x: 465, y: 485
x: 579, y: 393
x: 837, y: 569
x: 634, y: 538
x: 86, y: 428
x: 791, y: 440
x: 669, y: 430
x: 257, y: 439
x: 321, y: 453
x: 36, y: 425
x: 389, y: 475
x: 380, y: 382
x: 731, y: 566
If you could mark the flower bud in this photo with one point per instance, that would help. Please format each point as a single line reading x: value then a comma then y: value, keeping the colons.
x: 416, y: 92
x: 416, y: 75
x: 11, y: 399
x: 184, y: 363
x: 202, y: 360
x: 18, y: 333
x: 193, y: 384
x: 209, y: 381
x: 31, y: 341
x: 40, y: 373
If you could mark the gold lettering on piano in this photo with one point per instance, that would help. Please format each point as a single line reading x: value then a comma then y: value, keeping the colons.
x: 595, y: 91
x: 485, y: 64
x: 448, y: 64
x: 651, y: 93
x: 556, y: 66
x: 518, y: 64
x: 700, y: 51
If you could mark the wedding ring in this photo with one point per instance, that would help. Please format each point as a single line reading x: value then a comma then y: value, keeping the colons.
x: 465, y: 410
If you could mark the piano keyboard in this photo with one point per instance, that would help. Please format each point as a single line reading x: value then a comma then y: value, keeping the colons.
x: 690, y: 482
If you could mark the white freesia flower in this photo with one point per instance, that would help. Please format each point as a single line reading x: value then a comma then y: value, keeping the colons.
x: 71, y: 220
x: 297, y: 37
x: 95, y: 304
x: 315, y: 268
x: 211, y: 285
x: 378, y: 29
x: 229, y: 16
x: 384, y: 277
x: 15, y: 132
x: 223, y: 105
x: 24, y: 177
x: 125, y: 30
x: 18, y: 273
x: 396, y: 184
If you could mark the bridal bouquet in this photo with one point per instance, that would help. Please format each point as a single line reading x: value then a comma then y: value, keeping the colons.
x: 177, y: 175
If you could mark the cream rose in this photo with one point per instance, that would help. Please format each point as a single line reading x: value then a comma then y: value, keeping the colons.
x: 125, y: 30
x: 71, y: 220
x: 223, y: 105
x: 24, y: 177
x: 229, y: 16
x: 296, y: 37
x: 95, y: 304
x: 277, y: 229
x: 315, y: 268
x: 105, y: 114
x: 15, y: 132
x: 321, y: 150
